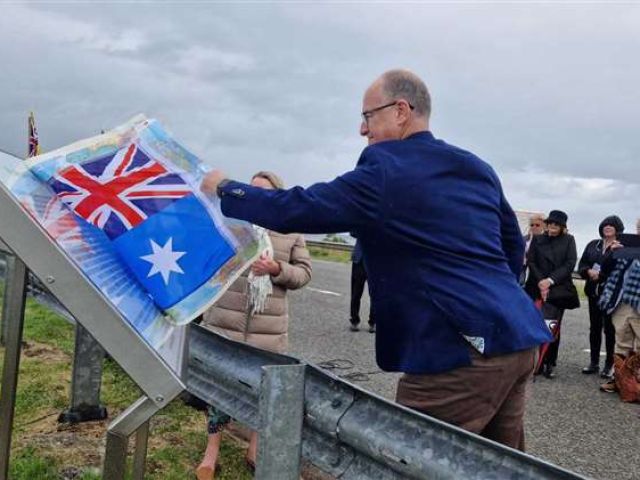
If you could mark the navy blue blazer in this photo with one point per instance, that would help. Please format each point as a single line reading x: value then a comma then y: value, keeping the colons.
x: 442, y: 249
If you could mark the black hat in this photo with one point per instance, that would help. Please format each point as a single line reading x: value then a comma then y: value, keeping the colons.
x: 557, y: 216
x: 614, y: 221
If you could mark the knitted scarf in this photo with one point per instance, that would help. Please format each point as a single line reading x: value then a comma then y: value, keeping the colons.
x: 260, y: 287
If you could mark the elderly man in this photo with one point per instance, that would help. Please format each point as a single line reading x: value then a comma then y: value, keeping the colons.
x: 442, y: 250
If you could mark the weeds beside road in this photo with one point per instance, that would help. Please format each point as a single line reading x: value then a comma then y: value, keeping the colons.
x: 43, y: 449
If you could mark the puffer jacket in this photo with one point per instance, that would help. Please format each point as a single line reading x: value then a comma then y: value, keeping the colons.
x: 268, y: 330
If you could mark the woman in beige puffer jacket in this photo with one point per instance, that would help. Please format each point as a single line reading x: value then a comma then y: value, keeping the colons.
x: 267, y: 329
x: 231, y: 316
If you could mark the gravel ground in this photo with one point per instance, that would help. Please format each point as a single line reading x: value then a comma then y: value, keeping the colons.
x: 569, y: 421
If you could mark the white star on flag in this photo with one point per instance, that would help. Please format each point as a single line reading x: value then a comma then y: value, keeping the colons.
x: 163, y: 260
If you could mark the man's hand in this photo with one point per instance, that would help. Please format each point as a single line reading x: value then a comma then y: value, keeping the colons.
x: 593, y: 274
x: 211, y: 181
x: 265, y: 266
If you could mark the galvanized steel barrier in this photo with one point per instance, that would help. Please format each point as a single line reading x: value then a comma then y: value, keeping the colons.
x: 301, y: 410
x: 348, y: 432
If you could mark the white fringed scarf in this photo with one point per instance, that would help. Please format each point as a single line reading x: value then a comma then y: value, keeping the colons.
x: 260, y: 287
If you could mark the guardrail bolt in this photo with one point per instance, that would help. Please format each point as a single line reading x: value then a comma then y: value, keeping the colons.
x: 50, y: 279
x: 159, y: 399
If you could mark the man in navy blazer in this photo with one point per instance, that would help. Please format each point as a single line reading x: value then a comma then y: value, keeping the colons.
x: 442, y: 250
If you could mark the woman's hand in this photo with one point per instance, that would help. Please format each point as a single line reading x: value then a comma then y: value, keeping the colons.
x: 544, y: 285
x: 265, y: 266
x: 615, y: 245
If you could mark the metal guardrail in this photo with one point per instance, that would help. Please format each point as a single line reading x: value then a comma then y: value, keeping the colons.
x: 348, y: 432
x: 335, y: 246
x: 299, y: 409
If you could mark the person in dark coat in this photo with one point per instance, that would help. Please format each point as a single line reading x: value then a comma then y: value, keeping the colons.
x: 358, y: 279
x: 589, y: 266
x: 536, y: 227
x: 551, y: 259
x: 449, y: 311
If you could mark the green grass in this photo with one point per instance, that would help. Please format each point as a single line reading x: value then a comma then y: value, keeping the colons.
x: 320, y: 253
x: 44, y: 450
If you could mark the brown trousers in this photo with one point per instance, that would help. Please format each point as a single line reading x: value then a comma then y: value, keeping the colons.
x: 487, y: 397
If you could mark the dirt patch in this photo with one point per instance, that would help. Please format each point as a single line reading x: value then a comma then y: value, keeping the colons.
x: 44, y: 352
x: 78, y: 445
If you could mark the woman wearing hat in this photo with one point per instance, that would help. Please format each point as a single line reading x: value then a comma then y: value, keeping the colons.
x: 551, y: 259
x: 589, y: 268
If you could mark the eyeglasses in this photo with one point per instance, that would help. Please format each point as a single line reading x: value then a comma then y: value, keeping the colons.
x: 367, y: 114
x: 535, y: 224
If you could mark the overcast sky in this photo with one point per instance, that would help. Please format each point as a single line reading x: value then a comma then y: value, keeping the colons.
x: 547, y: 93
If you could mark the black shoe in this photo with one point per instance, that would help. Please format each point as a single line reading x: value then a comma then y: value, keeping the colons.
x: 354, y: 327
x: 592, y: 368
x: 547, y: 371
x: 372, y: 329
x: 607, y: 371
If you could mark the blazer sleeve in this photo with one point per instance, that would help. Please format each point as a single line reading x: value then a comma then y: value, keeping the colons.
x: 513, y: 243
x: 297, y: 272
x: 564, y: 271
x: 351, y: 202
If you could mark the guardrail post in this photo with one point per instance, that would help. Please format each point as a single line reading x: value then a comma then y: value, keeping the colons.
x: 281, y: 412
x: 13, y: 319
x: 86, y: 380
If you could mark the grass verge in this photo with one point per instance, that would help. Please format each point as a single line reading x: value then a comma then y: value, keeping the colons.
x: 320, y: 253
x: 42, y: 449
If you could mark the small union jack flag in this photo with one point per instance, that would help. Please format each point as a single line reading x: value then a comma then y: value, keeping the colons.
x: 34, y: 145
x: 118, y: 192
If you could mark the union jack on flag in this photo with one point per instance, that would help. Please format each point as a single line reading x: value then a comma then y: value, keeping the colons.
x: 117, y: 192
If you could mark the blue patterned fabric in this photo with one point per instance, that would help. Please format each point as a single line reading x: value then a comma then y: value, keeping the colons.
x: 631, y: 286
x: 622, y: 285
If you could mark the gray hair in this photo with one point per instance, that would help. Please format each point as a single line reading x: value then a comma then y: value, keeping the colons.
x: 275, y: 181
x: 406, y: 85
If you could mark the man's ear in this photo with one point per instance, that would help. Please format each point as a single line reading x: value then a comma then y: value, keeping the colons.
x: 404, y: 111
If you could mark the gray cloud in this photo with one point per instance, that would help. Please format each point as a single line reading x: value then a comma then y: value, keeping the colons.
x: 547, y: 93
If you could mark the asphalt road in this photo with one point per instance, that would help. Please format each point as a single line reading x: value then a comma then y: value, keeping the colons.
x: 569, y: 421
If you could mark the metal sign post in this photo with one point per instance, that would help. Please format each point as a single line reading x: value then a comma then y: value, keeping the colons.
x: 13, y: 319
x: 133, y: 419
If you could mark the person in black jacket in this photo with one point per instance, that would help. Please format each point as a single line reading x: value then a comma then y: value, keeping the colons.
x: 589, y: 266
x: 551, y: 259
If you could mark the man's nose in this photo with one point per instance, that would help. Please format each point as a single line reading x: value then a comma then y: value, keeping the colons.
x: 364, y: 129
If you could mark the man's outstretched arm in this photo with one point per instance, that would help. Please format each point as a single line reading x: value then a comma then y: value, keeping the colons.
x: 350, y: 202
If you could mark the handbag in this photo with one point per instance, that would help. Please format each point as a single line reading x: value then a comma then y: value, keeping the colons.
x: 564, y: 295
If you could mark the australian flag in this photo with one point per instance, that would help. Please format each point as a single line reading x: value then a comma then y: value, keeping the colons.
x: 157, y: 225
